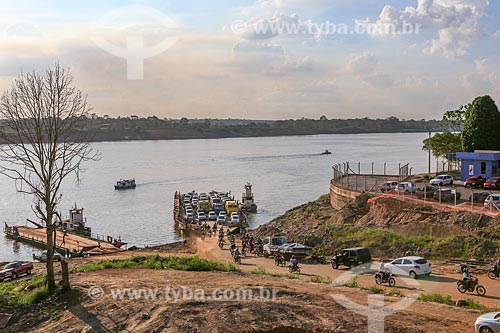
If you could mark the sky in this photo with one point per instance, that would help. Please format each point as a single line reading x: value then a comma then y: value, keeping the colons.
x: 261, y: 59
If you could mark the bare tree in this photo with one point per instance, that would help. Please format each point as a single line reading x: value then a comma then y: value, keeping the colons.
x: 44, y: 139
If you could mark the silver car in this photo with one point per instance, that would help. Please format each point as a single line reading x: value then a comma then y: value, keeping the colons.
x: 488, y: 323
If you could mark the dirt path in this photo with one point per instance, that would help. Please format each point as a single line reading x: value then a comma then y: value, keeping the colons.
x: 441, y: 281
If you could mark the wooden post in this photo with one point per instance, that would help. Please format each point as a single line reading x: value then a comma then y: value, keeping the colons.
x: 65, y: 276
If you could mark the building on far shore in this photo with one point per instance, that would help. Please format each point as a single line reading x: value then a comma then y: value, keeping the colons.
x: 484, y: 163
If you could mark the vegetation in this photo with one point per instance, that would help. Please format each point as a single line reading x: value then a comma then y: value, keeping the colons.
x: 482, y: 120
x: 23, y: 291
x: 436, y: 298
x: 105, y: 128
x: 373, y: 290
x: 194, y: 263
x: 321, y: 279
x: 395, y: 292
x: 259, y: 271
x: 351, y: 283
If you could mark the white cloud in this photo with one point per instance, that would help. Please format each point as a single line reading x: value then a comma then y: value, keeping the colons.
x: 485, y: 79
x: 362, y: 64
x: 456, y: 23
x: 496, y: 34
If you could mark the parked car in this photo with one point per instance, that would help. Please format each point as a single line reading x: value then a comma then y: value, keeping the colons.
x: 447, y: 194
x: 493, y: 183
x: 475, y: 181
x: 43, y: 256
x: 389, y: 185
x: 442, y: 180
x: 407, y: 187
x: 426, y: 191
x: 478, y: 197
x: 212, y: 216
x: 411, y: 266
x: 14, y: 269
x: 488, y: 323
x: 351, y: 257
x: 492, y: 200
x: 190, y: 217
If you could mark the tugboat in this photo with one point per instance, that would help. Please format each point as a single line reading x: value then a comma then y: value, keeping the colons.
x: 124, y: 184
x: 326, y: 152
x: 75, y: 222
x: 247, y: 203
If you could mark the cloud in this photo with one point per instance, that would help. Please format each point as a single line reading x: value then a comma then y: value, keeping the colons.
x: 456, y: 23
x: 260, y: 28
x: 361, y: 64
x: 496, y: 34
x: 291, y: 65
x: 485, y: 79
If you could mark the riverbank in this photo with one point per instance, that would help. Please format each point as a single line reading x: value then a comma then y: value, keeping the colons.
x: 389, y: 227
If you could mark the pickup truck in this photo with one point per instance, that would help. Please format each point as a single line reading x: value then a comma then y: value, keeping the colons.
x: 14, y: 269
x: 280, y: 242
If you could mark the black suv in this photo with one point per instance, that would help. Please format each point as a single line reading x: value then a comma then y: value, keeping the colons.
x: 352, y: 257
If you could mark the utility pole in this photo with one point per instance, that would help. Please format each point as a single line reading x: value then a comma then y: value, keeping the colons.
x: 429, y: 148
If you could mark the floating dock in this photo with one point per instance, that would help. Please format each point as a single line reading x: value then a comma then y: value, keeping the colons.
x: 37, y: 237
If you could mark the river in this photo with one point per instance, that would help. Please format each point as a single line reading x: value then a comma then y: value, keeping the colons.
x: 285, y: 172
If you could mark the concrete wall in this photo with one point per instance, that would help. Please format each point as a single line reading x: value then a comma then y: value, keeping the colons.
x: 339, y: 196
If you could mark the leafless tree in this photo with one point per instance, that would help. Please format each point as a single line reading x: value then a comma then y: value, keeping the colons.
x: 44, y: 139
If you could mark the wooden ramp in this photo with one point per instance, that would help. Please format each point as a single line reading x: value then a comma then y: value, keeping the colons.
x: 71, y: 241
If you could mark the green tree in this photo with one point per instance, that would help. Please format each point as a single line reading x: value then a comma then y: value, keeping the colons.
x: 443, y: 143
x: 454, y: 120
x: 482, y: 120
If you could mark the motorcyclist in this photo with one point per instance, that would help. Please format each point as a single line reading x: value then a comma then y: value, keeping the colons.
x: 383, y: 269
x: 294, y: 262
x: 466, y: 276
x: 496, y: 267
x: 277, y: 256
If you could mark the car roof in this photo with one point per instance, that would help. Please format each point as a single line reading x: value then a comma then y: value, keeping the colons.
x: 354, y: 248
x: 411, y: 258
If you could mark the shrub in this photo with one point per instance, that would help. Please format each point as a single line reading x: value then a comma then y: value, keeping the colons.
x: 436, y: 298
x: 259, y: 270
x: 321, y: 279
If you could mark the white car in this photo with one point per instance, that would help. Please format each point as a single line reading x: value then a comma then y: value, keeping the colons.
x: 389, y: 185
x: 201, y: 216
x: 488, y: 323
x: 235, y: 219
x: 407, y: 187
x: 492, y: 200
x: 411, y: 266
x: 442, y: 180
x: 189, y: 217
x: 212, y: 216
x: 222, y: 213
x: 221, y: 219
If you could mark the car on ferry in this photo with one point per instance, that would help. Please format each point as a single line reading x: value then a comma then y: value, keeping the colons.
x: 212, y: 216
x: 221, y: 219
x: 201, y: 215
x: 235, y: 218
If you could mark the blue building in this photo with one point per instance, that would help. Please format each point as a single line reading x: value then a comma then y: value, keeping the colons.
x: 484, y: 163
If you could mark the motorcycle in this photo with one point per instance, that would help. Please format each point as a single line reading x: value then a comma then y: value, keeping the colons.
x: 384, y: 277
x: 237, y: 259
x: 294, y: 269
x: 280, y: 261
x: 473, y: 285
x: 318, y: 259
x: 244, y: 252
x: 494, y: 274
x: 221, y: 243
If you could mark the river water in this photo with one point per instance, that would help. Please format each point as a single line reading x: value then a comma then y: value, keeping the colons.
x: 285, y: 172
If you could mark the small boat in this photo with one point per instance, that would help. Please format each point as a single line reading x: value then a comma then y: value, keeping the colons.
x: 326, y: 152
x: 124, y: 184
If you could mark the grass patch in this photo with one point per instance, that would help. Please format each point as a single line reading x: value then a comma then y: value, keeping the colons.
x: 287, y: 275
x: 321, y: 279
x: 395, y: 292
x: 259, y: 271
x: 194, y: 263
x: 28, y: 290
x: 436, y: 298
x: 373, y: 290
x: 352, y: 283
x: 472, y: 304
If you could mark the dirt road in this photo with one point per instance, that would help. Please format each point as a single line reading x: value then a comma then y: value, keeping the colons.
x: 442, y: 281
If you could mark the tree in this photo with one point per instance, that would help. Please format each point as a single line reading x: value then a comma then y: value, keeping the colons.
x: 43, y: 122
x: 482, y: 121
x: 443, y: 143
x: 453, y: 120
